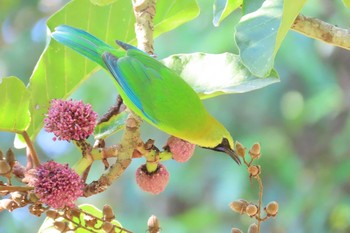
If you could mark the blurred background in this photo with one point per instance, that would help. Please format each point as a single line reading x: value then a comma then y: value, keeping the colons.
x: 302, y: 123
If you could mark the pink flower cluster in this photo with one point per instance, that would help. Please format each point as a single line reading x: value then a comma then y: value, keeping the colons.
x: 57, y: 185
x: 182, y: 150
x: 154, y: 182
x: 70, y: 120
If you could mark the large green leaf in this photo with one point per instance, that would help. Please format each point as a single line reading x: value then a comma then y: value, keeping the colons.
x: 346, y: 3
x: 14, y: 104
x: 222, y: 8
x: 60, y: 70
x: 260, y: 33
x: 172, y: 13
x: 215, y: 74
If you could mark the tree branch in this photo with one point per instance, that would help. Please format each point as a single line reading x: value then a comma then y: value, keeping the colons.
x: 144, y: 11
x: 317, y: 29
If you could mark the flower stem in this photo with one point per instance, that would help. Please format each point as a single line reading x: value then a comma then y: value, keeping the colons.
x: 31, y: 148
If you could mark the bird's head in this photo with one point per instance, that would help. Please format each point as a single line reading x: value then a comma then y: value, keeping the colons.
x: 226, y: 146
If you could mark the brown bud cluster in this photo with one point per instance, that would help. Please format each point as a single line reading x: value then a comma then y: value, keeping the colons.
x: 153, y: 224
x: 236, y: 230
x: 61, y: 226
x: 5, y: 167
x: 108, y: 214
x: 254, y: 152
x: 254, y: 170
x: 252, y: 210
x: 253, y: 228
x: 239, y: 206
x: 272, y: 209
x: 240, y: 149
x: 108, y: 227
x: 53, y: 214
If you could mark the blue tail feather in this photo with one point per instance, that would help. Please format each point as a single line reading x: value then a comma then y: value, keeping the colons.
x: 82, y: 42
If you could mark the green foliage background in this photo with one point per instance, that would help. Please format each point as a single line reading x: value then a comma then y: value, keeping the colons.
x: 302, y: 123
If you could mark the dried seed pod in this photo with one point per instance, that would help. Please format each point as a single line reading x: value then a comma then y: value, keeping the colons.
x: 239, y: 206
x: 10, y: 158
x: 1, y: 155
x: 253, y: 228
x: 236, y: 230
x: 36, y: 209
x: 272, y: 209
x: 240, y: 149
x: 74, y: 212
x: 254, y: 170
x: 8, y: 204
x: 252, y: 210
x: 254, y: 152
x: 18, y: 170
x: 108, y: 214
x: 153, y: 224
x: 4, y: 167
x: 32, y: 197
x: 61, y: 226
x: 108, y: 227
x: 90, y: 221
x: 19, y: 198
x: 52, y: 214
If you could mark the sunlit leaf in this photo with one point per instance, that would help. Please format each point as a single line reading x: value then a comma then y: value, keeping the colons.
x: 260, y: 33
x: 346, y: 3
x: 173, y: 13
x: 60, y: 70
x: 102, y: 2
x: 106, y: 129
x: 215, y: 74
x: 222, y: 8
x: 14, y: 103
x: 92, y: 210
x: 48, y: 227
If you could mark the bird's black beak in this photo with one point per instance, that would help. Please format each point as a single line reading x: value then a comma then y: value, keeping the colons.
x: 225, y: 147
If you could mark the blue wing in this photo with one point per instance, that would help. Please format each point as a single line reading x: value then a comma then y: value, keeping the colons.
x: 113, y: 66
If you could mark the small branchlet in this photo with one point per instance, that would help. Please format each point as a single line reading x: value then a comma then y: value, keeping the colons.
x: 244, y: 207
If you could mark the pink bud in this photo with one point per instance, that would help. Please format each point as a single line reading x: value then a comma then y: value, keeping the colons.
x: 154, y: 182
x: 181, y: 150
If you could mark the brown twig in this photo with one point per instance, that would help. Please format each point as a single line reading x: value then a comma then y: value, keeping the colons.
x: 16, y: 188
x: 320, y: 30
x: 261, y: 190
x: 32, y: 151
x: 144, y: 11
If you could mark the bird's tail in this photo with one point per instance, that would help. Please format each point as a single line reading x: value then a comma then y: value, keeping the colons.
x: 82, y: 42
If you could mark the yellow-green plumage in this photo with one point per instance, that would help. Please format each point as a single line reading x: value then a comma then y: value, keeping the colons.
x: 153, y: 91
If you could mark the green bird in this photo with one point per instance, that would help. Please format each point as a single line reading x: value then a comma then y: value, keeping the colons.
x: 152, y: 91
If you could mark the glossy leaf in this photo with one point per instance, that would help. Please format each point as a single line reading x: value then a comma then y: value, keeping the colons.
x: 14, y: 103
x: 260, y: 33
x: 115, y: 123
x: 60, y: 70
x: 222, y: 8
x: 173, y: 13
x: 102, y: 2
x: 346, y: 3
x: 92, y: 210
x: 216, y: 74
